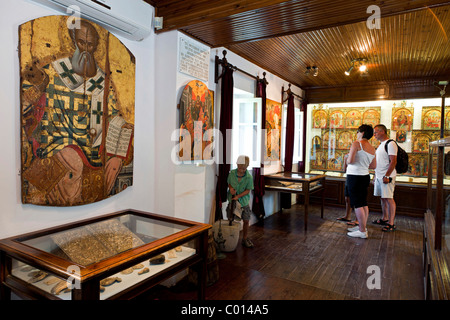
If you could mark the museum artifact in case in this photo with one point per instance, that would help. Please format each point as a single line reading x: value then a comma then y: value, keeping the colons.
x: 334, y: 129
x: 413, y: 124
x: 298, y: 183
x: 115, y: 256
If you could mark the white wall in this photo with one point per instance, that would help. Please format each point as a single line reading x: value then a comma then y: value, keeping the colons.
x: 16, y: 218
x: 273, y: 92
x: 185, y: 190
x: 195, y: 200
x: 159, y: 185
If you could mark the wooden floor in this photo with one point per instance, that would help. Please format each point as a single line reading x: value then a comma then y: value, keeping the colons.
x: 323, y: 263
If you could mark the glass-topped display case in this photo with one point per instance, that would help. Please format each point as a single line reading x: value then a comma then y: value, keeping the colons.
x: 298, y: 183
x: 118, y: 255
x: 437, y: 223
x: 437, y: 202
x: 294, y: 182
x: 412, y: 123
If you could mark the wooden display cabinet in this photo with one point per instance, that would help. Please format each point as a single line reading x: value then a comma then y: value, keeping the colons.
x: 410, y: 198
x: 298, y: 183
x: 117, y: 247
x: 436, y: 248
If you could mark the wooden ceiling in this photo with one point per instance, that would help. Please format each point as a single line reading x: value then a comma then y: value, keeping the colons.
x: 285, y: 37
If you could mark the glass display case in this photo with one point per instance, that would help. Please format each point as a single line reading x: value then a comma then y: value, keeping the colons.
x: 437, y: 222
x: 299, y: 183
x: 437, y: 203
x: 294, y: 182
x: 412, y: 124
x: 116, y: 256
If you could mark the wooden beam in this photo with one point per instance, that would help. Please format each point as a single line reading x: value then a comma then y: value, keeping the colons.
x: 179, y: 14
x: 378, y: 90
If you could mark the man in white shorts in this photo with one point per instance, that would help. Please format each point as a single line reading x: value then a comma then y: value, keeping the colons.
x: 384, y: 180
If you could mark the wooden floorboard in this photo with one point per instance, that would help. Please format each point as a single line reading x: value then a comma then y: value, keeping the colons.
x: 322, y: 263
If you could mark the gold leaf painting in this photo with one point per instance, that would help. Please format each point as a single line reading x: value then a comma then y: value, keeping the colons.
x: 337, y: 119
x: 320, y: 119
x: 353, y: 119
x: 372, y: 116
x: 77, y: 112
x: 402, y: 118
x: 431, y: 118
x: 196, y: 120
x: 273, y: 131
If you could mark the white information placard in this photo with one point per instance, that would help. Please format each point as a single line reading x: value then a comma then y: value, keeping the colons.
x: 193, y: 58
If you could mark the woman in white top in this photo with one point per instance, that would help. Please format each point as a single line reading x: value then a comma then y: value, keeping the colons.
x: 359, y: 160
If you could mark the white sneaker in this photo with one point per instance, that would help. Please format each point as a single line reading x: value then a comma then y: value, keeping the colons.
x: 358, y: 234
x: 354, y: 229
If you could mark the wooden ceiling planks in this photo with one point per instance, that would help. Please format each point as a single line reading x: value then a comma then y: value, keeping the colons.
x: 250, y: 20
x: 412, y: 45
x: 178, y: 14
x: 284, y: 37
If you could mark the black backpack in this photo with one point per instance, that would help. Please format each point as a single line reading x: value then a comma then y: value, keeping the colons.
x: 402, y: 158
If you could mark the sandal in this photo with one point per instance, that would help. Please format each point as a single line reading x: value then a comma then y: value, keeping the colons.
x: 247, y: 243
x: 353, y: 223
x: 389, y: 227
x: 343, y: 219
x: 380, y: 222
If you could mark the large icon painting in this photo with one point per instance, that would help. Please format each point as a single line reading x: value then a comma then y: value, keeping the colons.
x: 77, y: 112
x: 196, y: 120
x: 337, y: 119
x: 320, y: 119
x: 402, y: 118
x: 273, y: 131
x: 372, y: 116
x: 431, y: 118
x: 353, y: 119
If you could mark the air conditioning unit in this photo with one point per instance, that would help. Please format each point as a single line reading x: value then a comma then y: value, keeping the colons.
x: 131, y: 19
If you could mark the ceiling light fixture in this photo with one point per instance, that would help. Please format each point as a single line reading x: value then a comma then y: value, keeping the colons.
x: 360, y: 63
x: 312, y: 70
x: 347, y: 73
x: 308, y: 71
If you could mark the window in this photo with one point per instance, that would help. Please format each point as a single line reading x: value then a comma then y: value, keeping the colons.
x: 298, y: 134
x: 298, y: 138
x: 246, y: 137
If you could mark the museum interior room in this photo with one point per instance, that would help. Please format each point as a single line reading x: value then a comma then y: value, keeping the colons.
x: 225, y: 150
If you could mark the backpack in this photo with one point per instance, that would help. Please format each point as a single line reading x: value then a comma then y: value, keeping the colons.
x: 402, y: 158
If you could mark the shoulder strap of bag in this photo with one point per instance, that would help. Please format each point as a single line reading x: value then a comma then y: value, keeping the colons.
x: 386, y: 145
